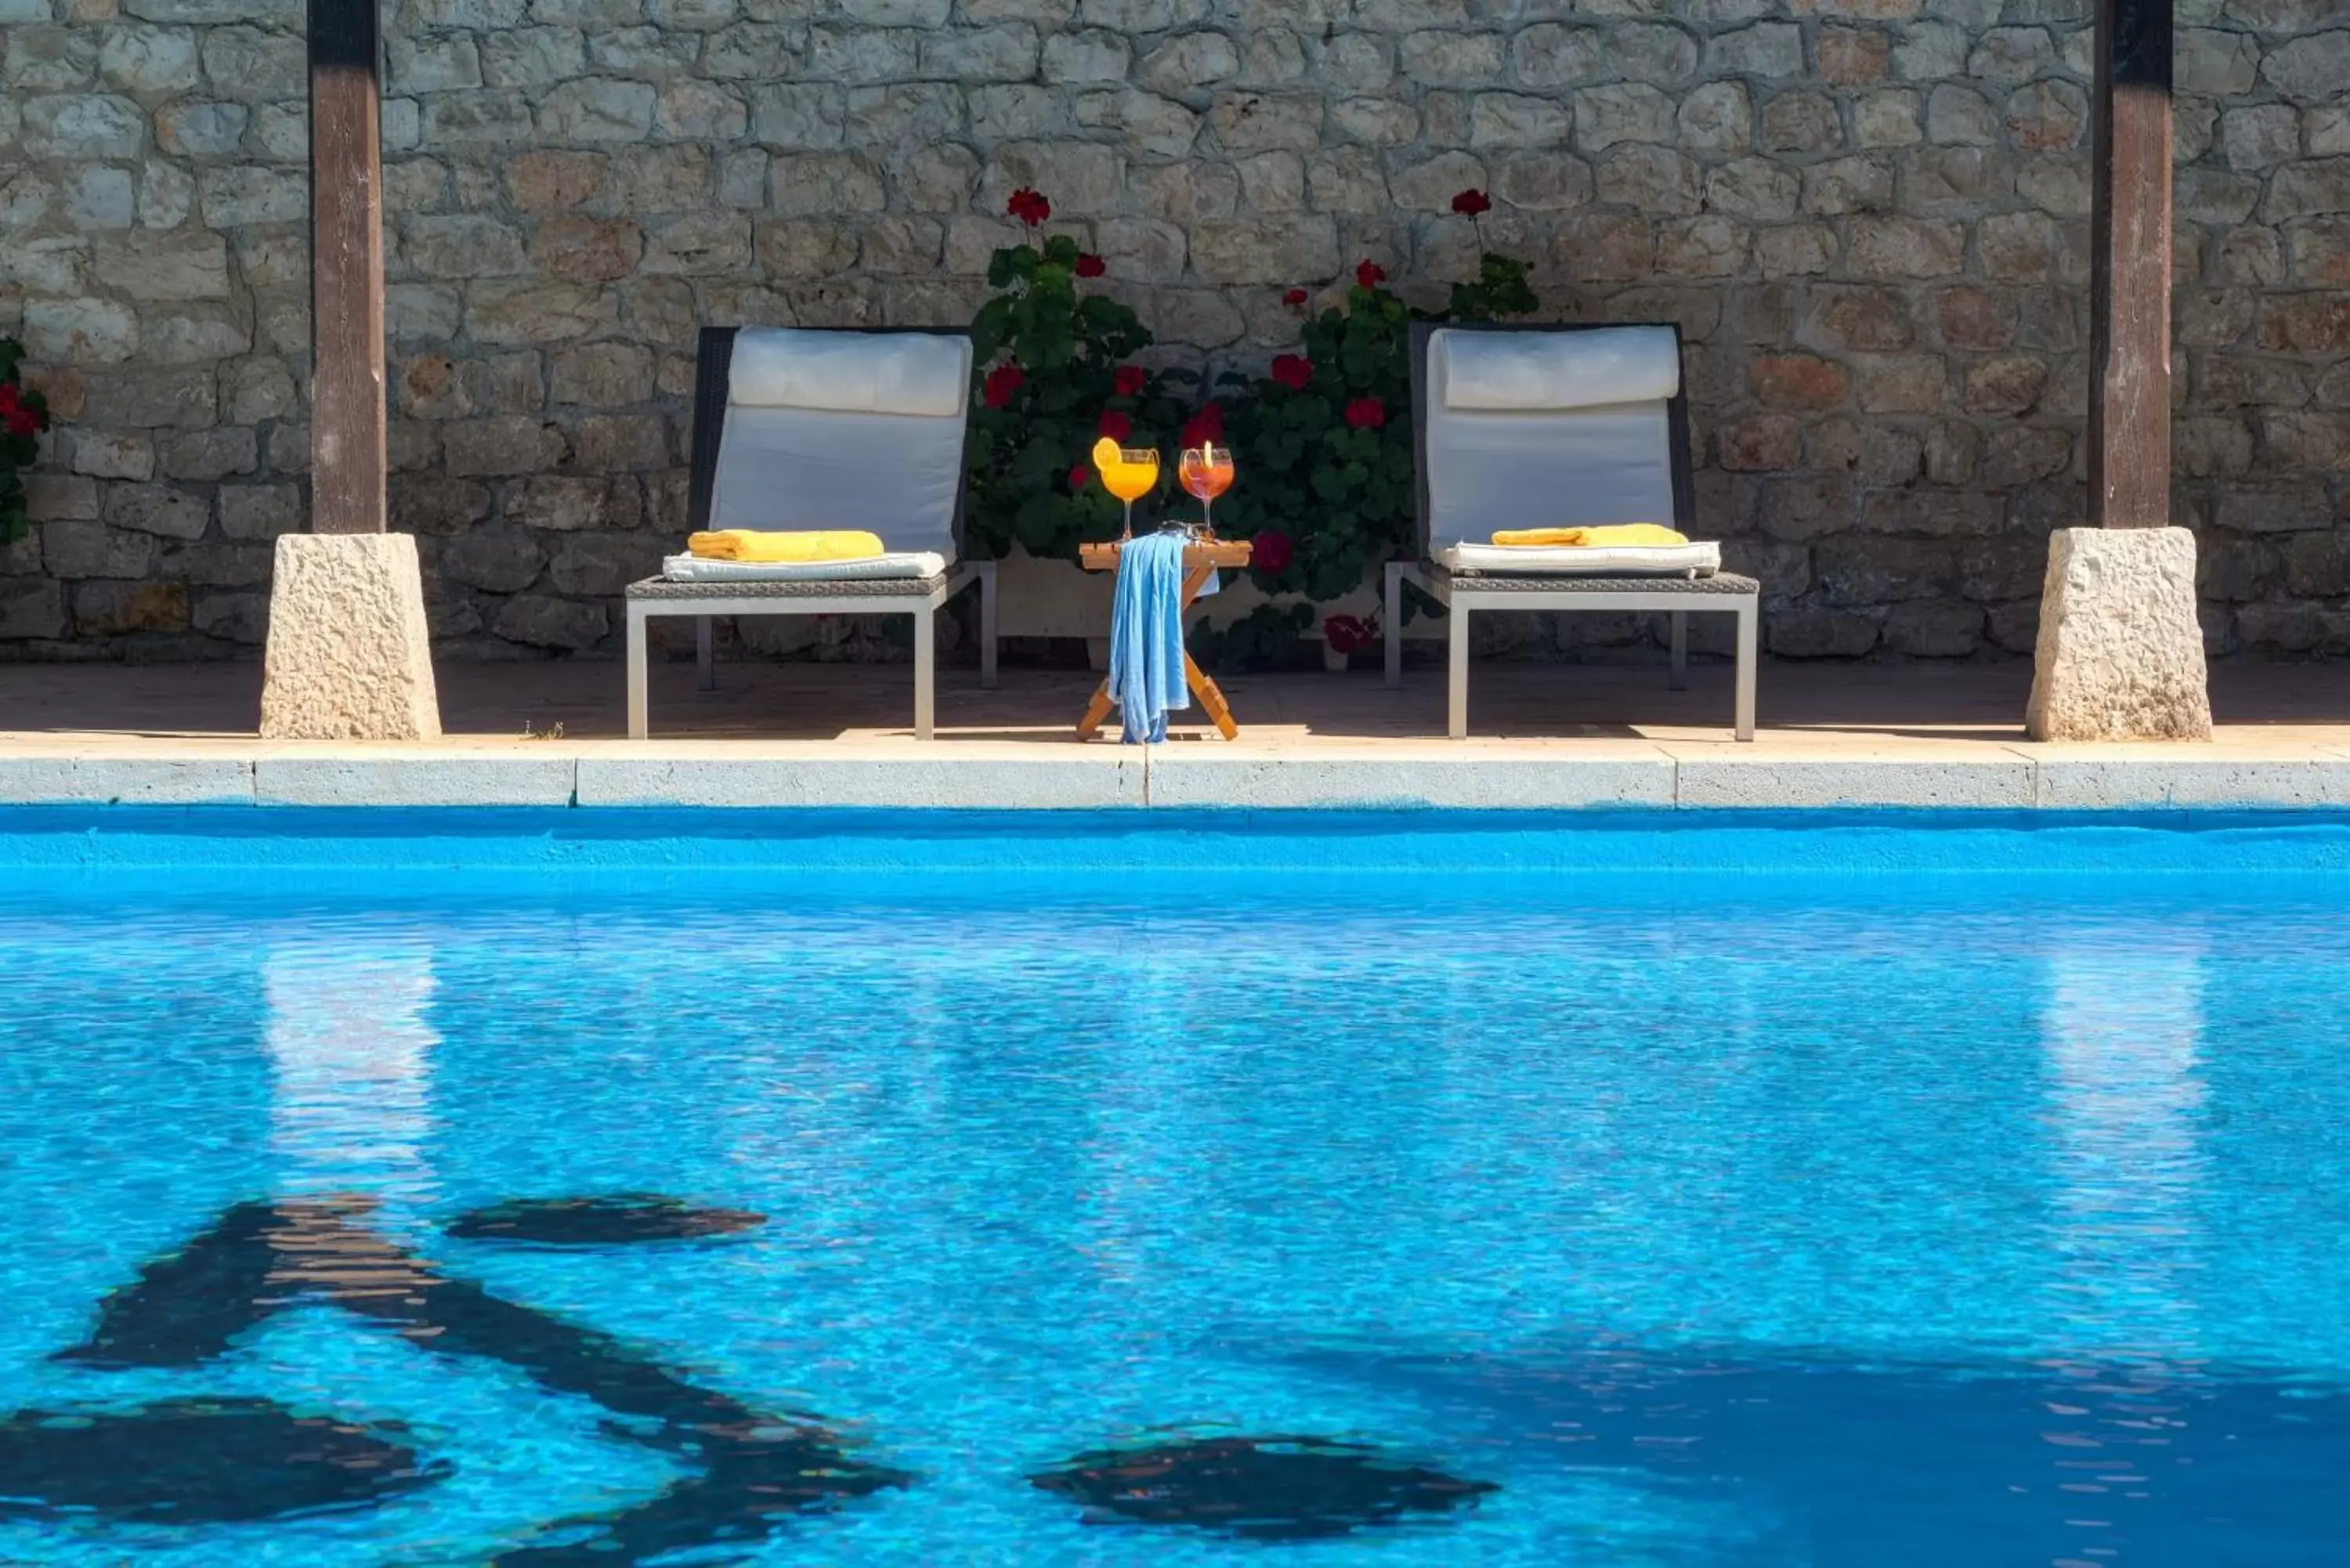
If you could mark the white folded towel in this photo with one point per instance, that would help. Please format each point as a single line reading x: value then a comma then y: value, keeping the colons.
x: 1493, y: 372
x: 917, y: 373
x: 912, y: 566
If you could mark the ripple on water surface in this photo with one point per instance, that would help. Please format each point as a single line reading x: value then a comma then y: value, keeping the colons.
x: 1524, y: 1223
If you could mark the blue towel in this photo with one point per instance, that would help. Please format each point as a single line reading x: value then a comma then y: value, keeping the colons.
x: 1146, y: 636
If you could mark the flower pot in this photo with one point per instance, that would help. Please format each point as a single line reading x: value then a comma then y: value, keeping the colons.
x: 1332, y: 660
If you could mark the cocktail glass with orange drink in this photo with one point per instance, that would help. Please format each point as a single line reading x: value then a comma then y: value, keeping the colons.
x: 1206, y: 472
x: 1127, y: 473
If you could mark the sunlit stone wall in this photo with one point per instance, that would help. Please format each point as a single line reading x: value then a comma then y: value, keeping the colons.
x: 1870, y: 217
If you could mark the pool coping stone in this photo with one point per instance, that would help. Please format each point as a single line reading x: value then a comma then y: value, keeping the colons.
x: 1797, y: 773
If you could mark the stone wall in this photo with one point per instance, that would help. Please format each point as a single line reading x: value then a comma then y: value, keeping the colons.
x: 1870, y: 216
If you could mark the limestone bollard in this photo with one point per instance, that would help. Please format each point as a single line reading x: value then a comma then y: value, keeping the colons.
x: 2120, y: 655
x: 350, y: 658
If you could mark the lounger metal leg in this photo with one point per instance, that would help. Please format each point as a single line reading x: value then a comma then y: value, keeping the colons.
x: 1456, y: 700
x: 1395, y: 623
x: 986, y: 625
x: 639, y: 722
x: 1749, y: 627
x: 926, y: 671
x: 705, y: 651
x: 1679, y: 677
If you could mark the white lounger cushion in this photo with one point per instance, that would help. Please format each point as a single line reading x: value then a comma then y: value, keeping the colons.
x: 1521, y: 372
x: 1585, y: 466
x: 785, y: 465
x: 918, y: 374
x: 913, y: 566
x: 1704, y: 559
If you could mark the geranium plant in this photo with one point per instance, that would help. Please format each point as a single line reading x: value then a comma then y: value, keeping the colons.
x: 1054, y: 373
x: 24, y: 415
x: 1323, y: 446
x: 1500, y: 286
x: 1325, y: 438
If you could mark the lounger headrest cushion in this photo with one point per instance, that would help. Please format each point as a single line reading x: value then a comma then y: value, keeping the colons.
x: 1494, y: 372
x: 911, y: 373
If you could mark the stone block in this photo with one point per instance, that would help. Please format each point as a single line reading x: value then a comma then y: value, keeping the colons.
x: 532, y: 56
x: 1800, y: 122
x: 1848, y: 185
x: 2312, y: 69
x: 540, y: 621
x: 77, y: 548
x: 1109, y: 777
x: 1717, y: 117
x: 1772, y: 50
x: 2120, y: 651
x: 1796, y: 250
x: 1854, y: 57
x: 1551, y: 55
x: 123, y: 609
x: 348, y: 655
x: 1654, y: 180
x: 1630, y: 111
x: 1710, y: 779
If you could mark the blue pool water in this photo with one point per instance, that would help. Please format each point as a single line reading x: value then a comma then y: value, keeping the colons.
x: 1838, y: 1215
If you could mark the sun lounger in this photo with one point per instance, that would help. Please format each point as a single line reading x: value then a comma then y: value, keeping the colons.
x: 1558, y: 427
x: 832, y: 430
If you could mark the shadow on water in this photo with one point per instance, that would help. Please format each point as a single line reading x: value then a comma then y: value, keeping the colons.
x: 200, y: 1461
x: 1261, y: 1489
x: 1933, y: 1465
x: 752, y: 1470
x: 614, y: 1220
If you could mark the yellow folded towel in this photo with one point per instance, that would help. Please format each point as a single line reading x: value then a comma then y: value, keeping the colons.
x: 751, y: 545
x: 1619, y: 533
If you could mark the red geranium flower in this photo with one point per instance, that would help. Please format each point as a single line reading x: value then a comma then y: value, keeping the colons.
x: 1367, y: 413
x: 1206, y: 427
x: 16, y: 416
x: 1001, y: 383
x: 1469, y: 204
x: 1115, y: 425
x: 1090, y: 265
x: 1370, y: 274
x: 1130, y: 380
x: 1272, y: 552
x: 1029, y: 207
x: 1292, y: 371
x: 1079, y: 477
x: 1350, y: 633
x: 1294, y: 298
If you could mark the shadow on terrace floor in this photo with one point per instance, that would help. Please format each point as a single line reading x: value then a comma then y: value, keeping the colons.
x: 1799, y: 702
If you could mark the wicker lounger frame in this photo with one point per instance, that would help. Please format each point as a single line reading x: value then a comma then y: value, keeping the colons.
x: 1677, y: 596
x: 921, y: 597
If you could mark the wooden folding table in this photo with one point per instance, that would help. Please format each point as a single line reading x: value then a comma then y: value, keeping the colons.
x: 1199, y: 561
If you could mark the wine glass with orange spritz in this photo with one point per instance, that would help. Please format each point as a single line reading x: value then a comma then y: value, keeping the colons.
x: 1206, y: 471
x: 1127, y: 473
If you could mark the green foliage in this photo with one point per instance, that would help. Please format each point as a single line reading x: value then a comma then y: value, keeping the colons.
x: 1342, y: 493
x: 1260, y: 640
x: 1500, y: 288
x: 1067, y: 348
x: 23, y: 416
x: 1339, y: 491
x: 1345, y: 494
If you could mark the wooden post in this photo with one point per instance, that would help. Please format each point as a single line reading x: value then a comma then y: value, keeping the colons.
x: 2130, y: 250
x: 346, y: 400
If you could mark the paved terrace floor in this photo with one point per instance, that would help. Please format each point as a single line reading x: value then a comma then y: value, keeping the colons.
x: 813, y: 734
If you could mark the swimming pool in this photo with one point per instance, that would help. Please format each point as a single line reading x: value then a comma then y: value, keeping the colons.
x: 1896, y: 1201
